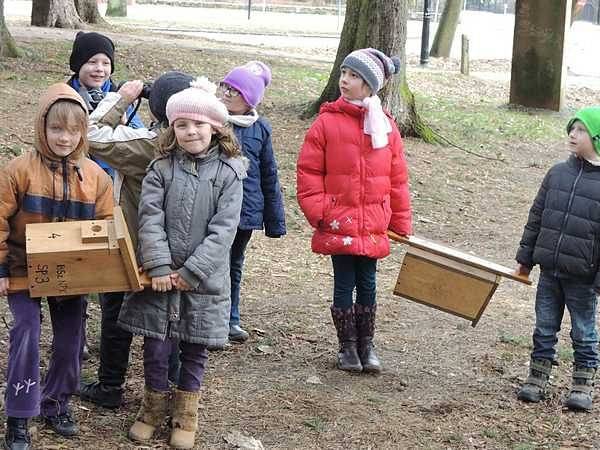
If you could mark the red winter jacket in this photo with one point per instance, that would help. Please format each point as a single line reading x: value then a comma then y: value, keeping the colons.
x: 349, y: 192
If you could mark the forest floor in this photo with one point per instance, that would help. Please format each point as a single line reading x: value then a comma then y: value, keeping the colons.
x: 445, y: 385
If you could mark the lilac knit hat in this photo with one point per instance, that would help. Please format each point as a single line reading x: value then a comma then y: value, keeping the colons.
x: 251, y: 79
x: 198, y: 102
x: 373, y: 66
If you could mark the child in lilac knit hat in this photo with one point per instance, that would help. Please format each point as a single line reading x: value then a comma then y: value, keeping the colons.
x: 242, y: 90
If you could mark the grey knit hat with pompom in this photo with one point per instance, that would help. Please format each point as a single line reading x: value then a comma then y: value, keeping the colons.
x: 373, y: 66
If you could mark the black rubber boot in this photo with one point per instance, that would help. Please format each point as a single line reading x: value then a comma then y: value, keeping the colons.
x: 365, y: 327
x: 534, y: 388
x: 347, y: 359
x: 100, y: 394
x: 580, y: 397
x: 17, y: 434
x: 62, y: 424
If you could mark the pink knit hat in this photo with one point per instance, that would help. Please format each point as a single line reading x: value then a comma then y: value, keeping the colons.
x: 198, y: 102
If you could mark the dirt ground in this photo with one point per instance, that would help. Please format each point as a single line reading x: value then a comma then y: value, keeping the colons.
x: 445, y: 385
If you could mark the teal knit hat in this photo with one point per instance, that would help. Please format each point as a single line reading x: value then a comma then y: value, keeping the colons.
x: 590, y: 117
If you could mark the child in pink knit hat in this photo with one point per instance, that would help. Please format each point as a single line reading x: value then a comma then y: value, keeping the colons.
x: 241, y: 91
x: 188, y: 215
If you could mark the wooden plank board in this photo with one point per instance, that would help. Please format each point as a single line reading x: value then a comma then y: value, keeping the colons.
x: 93, y: 231
x: 56, y: 237
x: 127, y: 250
x: 444, y: 285
x: 67, y: 274
x: 459, y: 256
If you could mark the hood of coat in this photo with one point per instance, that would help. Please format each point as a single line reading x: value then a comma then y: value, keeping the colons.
x: 56, y: 92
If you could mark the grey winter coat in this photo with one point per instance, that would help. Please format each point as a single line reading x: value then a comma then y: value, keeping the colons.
x: 563, y: 229
x: 188, y: 215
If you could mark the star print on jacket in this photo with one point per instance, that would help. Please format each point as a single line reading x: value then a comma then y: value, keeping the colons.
x: 347, y: 240
x: 335, y: 225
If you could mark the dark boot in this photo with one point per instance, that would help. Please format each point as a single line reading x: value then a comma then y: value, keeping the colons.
x: 62, y: 424
x: 347, y: 359
x: 17, y: 434
x: 365, y: 327
x: 100, y: 394
x: 534, y: 389
x: 580, y: 397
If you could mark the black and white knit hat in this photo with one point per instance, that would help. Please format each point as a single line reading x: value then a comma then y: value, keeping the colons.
x: 373, y: 66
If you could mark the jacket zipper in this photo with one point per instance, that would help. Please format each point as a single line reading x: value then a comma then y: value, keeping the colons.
x: 565, y: 218
x: 65, y: 189
x: 362, y: 190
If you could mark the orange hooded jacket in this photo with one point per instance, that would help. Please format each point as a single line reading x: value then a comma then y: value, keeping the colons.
x: 40, y: 186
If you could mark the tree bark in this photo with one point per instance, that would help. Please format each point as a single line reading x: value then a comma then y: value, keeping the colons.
x: 88, y: 11
x: 442, y: 43
x: 116, y: 8
x: 379, y: 24
x: 55, y: 14
x: 7, y: 43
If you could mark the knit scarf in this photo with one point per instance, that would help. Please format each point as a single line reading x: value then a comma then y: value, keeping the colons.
x: 244, y: 120
x: 376, y: 123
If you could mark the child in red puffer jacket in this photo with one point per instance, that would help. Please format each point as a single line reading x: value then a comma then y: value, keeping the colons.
x: 352, y: 183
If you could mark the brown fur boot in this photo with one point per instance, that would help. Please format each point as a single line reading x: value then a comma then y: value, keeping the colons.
x: 151, y: 415
x: 185, y: 419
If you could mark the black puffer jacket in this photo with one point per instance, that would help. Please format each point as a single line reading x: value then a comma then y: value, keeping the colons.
x: 563, y: 229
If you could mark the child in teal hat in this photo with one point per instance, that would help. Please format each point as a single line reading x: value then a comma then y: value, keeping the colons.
x: 562, y: 235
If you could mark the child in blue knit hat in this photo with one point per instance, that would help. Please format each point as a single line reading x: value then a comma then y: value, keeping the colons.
x: 241, y: 91
x: 561, y: 235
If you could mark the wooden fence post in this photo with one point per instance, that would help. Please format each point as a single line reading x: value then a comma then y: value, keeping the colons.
x: 464, y: 55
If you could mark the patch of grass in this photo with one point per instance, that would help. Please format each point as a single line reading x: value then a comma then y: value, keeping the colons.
x: 491, y: 433
x: 484, y: 124
x: 516, y: 341
x: 565, y: 354
x: 315, y: 423
x: 525, y: 446
x: 454, y: 438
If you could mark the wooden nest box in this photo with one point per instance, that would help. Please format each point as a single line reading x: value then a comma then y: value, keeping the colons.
x: 72, y: 258
x: 447, y: 279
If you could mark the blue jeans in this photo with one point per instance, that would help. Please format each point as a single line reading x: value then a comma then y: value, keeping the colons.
x: 238, y: 248
x: 580, y: 299
x: 350, y: 272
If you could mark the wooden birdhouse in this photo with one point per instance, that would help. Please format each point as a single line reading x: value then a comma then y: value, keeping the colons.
x: 447, y: 279
x: 70, y: 258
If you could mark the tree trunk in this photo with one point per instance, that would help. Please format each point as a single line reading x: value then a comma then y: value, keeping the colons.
x: 116, y: 8
x: 88, y: 11
x: 574, y: 11
x: 379, y: 24
x: 55, y: 14
x: 442, y: 43
x: 7, y: 43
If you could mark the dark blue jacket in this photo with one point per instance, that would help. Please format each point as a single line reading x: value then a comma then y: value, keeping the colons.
x: 563, y: 229
x: 263, y: 202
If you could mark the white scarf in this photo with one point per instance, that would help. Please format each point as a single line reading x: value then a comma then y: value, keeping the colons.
x: 376, y: 123
x: 244, y: 120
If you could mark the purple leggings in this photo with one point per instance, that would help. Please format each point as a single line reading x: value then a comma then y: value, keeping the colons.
x: 193, y: 359
x: 24, y: 395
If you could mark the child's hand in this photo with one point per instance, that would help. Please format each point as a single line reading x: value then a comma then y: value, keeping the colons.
x: 522, y: 270
x: 179, y: 282
x: 4, y: 285
x: 131, y: 90
x: 162, y: 284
